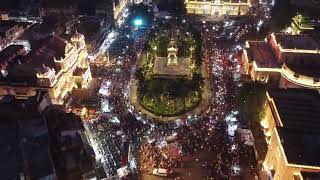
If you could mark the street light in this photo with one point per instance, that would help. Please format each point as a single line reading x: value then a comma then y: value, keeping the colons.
x: 137, y: 22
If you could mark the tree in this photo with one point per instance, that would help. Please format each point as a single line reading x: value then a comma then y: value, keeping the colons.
x: 141, y: 85
x: 139, y: 75
x: 197, y: 81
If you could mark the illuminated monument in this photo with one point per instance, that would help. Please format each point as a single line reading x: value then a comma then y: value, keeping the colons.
x: 55, y: 65
x: 169, y: 83
x: 173, y: 66
x: 218, y: 7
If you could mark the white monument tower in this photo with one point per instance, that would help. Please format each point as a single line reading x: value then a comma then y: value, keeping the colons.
x: 172, y: 53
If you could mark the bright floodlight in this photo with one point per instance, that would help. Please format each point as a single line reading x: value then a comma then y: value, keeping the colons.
x: 137, y: 22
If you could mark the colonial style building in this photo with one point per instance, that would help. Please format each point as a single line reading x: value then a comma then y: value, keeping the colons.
x: 55, y: 65
x: 53, y: 144
x: 218, y: 7
x: 292, y: 131
x: 289, y: 61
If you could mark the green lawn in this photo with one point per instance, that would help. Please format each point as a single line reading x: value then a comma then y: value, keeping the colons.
x: 169, y: 97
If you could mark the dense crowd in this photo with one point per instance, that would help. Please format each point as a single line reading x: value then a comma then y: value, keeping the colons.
x: 211, y: 130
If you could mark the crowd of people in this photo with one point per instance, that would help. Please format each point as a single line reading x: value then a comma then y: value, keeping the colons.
x: 107, y: 145
x: 153, y: 156
x: 110, y: 136
x: 208, y: 131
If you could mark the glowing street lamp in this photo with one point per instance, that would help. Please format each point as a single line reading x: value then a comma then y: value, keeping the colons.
x: 137, y: 22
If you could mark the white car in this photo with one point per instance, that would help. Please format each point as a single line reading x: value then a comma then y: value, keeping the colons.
x: 160, y: 172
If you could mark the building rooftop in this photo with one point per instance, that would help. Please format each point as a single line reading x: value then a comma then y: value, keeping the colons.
x: 49, y: 48
x: 302, y: 41
x: 36, y: 148
x: 25, y: 138
x: 72, y: 156
x: 67, y: 121
x: 58, y: 4
x: 27, y: 35
x: 10, y: 52
x: 37, y: 61
x: 310, y: 175
x: 23, y: 141
x: 52, y: 23
x: 298, y: 108
x: 262, y: 54
x: 89, y: 26
x: 310, y: 68
x: 182, y: 69
x: 300, y: 147
x: 10, y: 152
x: 302, y: 63
x: 5, y: 25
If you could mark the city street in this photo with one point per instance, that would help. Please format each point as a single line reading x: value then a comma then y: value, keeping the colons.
x: 205, y: 143
x: 160, y: 89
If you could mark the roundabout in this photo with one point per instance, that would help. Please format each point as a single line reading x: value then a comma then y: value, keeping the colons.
x: 170, y: 80
x: 202, y: 129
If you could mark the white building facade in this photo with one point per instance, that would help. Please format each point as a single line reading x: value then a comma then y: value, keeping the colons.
x: 218, y: 7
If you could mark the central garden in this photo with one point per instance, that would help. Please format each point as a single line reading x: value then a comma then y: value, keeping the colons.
x: 170, y: 96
